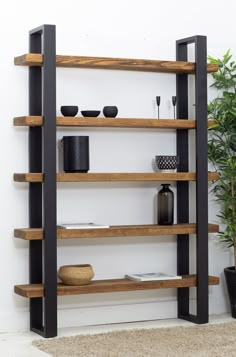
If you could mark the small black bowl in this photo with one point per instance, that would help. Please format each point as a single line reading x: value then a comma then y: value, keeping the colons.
x: 90, y: 113
x: 110, y: 111
x: 167, y: 162
x: 69, y: 110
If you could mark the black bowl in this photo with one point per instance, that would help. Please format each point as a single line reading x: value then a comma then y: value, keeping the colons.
x: 110, y: 111
x: 69, y: 110
x: 90, y: 113
x: 167, y: 162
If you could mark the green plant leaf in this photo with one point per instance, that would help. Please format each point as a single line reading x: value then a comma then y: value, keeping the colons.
x: 222, y: 144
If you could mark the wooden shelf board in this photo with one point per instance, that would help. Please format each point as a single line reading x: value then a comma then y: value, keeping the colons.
x: 111, y: 285
x: 114, y: 177
x: 114, y: 231
x: 35, y: 59
x: 28, y: 121
x: 112, y: 122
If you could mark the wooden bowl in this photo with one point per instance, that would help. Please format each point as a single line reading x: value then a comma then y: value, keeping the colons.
x: 80, y: 274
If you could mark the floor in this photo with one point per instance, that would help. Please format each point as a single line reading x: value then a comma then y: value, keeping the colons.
x: 19, y: 344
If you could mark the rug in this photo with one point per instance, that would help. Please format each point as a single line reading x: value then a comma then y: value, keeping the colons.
x: 218, y: 340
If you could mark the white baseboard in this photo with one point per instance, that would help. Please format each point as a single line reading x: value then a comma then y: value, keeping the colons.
x: 75, y: 316
x: 95, y: 315
x: 117, y: 314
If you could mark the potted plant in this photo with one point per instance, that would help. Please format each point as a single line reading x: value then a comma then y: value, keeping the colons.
x: 222, y: 155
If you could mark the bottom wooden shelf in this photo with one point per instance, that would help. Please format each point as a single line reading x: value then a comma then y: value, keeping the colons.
x: 112, y: 285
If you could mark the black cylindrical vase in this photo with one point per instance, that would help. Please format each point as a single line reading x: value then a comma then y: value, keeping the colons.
x: 165, y: 209
x: 76, y: 153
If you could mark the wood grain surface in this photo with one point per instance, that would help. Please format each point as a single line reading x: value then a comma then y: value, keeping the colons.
x: 111, y: 285
x: 112, y: 122
x: 35, y: 59
x: 114, y: 177
x: 114, y: 231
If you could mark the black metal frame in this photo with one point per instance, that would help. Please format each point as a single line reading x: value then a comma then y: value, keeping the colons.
x: 201, y: 180
x: 42, y: 197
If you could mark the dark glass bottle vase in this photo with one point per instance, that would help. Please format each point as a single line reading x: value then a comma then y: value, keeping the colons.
x: 165, y: 209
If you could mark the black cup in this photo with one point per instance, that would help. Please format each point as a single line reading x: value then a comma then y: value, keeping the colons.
x: 76, y: 153
x: 110, y: 111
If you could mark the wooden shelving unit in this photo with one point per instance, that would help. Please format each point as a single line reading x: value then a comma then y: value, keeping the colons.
x: 42, y: 121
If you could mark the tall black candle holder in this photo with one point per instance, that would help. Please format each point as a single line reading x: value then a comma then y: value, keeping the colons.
x: 174, y: 104
x: 158, y: 100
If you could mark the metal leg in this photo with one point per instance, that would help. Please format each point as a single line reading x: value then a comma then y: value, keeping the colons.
x: 202, y: 179
x: 201, y: 182
x: 182, y: 187
x: 35, y: 189
x: 42, y: 198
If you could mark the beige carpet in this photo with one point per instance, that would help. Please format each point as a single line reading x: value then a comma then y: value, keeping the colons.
x: 218, y: 340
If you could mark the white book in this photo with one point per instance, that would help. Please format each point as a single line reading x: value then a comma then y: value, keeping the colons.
x: 151, y: 276
x: 82, y: 225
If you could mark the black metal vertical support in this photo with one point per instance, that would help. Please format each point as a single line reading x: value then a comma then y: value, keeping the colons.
x: 182, y: 187
x: 201, y: 180
x: 44, y: 311
x: 35, y: 189
x: 49, y: 192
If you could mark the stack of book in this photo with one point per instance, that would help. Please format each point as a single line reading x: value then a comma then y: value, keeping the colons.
x: 151, y: 276
x: 82, y: 225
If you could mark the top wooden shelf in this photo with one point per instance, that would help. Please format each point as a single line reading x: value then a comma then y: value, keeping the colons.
x: 127, y: 64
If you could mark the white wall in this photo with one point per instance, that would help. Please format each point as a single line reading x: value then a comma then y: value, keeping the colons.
x: 134, y: 29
